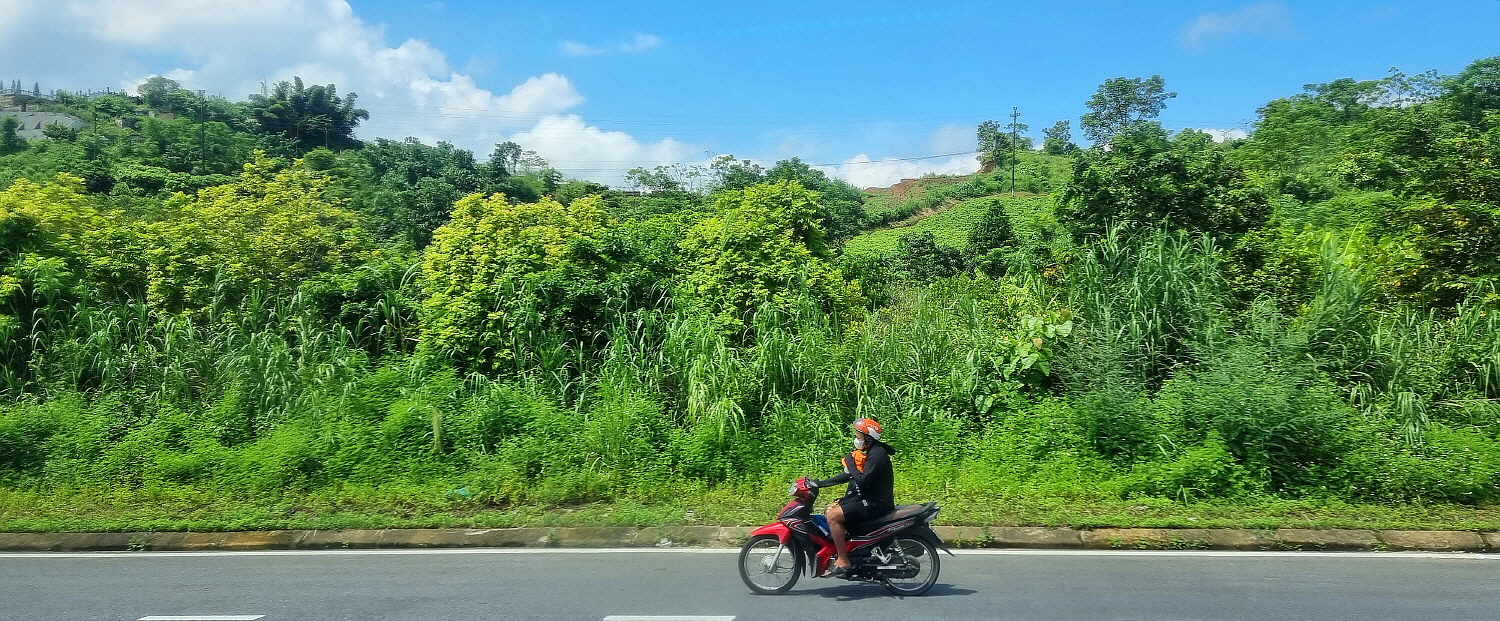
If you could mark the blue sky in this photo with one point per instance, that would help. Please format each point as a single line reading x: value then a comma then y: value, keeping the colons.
x: 872, y: 90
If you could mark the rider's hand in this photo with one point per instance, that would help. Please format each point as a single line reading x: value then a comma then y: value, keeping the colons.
x: 812, y: 484
x: 848, y: 464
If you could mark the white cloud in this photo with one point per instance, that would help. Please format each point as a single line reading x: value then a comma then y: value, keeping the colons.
x: 233, y: 48
x: 574, y: 48
x: 640, y: 43
x: 953, y: 137
x: 1221, y: 135
x: 861, y: 171
x: 581, y: 150
x: 1269, y: 19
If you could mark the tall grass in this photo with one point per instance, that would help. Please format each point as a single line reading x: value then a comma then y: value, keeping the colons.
x: 1128, y: 377
x: 1155, y: 298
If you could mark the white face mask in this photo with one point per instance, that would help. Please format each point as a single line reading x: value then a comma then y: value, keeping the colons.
x: 859, y: 443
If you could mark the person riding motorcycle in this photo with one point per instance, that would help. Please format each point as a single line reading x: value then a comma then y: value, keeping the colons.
x: 871, y: 494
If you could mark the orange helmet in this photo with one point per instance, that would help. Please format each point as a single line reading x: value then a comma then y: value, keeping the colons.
x: 867, y: 426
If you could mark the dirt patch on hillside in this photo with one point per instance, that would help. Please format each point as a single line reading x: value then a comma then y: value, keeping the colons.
x: 907, y: 188
x: 898, y: 192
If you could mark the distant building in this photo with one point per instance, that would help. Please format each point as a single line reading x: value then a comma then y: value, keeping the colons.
x: 33, y: 122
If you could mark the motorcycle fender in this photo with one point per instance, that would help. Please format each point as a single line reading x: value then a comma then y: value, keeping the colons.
x: 782, y: 533
x: 926, y: 532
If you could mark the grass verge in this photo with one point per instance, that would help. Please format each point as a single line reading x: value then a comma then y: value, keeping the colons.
x: 346, y: 506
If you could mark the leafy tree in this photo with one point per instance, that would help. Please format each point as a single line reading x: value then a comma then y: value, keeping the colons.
x: 731, y: 174
x: 1059, y: 139
x: 665, y: 180
x: 763, y: 246
x: 267, y: 232
x: 1474, y: 94
x: 1122, y: 102
x: 59, y: 132
x: 920, y: 258
x: 185, y: 146
x: 1146, y: 178
x: 841, y: 206
x: 112, y: 106
x: 51, y: 238
x: 993, y: 230
x: 1441, y: 252
x: 998, y: 146
x: 10, y: 140
x: 504, y: 161
x: 490, y: 271
x: 573, y: 190
x: 168, y: 95
x: 309, y: 116
x: 412, y: 186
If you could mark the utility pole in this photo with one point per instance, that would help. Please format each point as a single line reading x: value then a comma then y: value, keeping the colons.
x: 1015, y: 114
x: 202, y: 133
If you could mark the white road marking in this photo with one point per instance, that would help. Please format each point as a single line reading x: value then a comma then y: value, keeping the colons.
x: 668, y: 618
x: 201, y: 618
x: 1478, y: 556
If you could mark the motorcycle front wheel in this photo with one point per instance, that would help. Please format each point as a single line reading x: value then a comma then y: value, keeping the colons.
x: 919, y: 553
x: 768, y: 567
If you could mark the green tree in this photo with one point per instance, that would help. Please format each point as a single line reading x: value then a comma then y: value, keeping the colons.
x: 59, y: 132
x: 1059, y: 139
x: 112, y: 106
x: 51, y: 238
x: 310, y: 117
x: 841, y: 206
x: 920, y: 258
x: 413, y: 186
x: 999, y: 145
x: 10, y: 140
x: 1122, y: 102
x: 1441, y: 252
x: 498, y: 276
x: 732, y: 174
x: 993, y: 230
x: 665, y: 180
x: 274, y: 227
x: 1474, y: 93
x: 1146, y: 178
x: 505, y: 160
x: 168, y: 95
x: 763, y: 246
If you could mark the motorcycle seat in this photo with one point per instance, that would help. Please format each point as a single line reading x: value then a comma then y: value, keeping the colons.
x: 902, y: 512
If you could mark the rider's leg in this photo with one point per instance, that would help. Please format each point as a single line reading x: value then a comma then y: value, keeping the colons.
x: 835, y: 515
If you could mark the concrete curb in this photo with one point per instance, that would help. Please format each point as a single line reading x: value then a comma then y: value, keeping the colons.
x: 731, y: 536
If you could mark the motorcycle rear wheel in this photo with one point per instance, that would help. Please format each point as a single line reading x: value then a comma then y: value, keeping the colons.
x: 917, y: 551
x: 764, y: 570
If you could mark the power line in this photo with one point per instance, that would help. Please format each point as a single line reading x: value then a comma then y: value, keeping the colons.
x: 832, y: 165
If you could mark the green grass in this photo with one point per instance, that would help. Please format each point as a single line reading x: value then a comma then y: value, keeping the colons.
x: 1029, y: 214
x: 431, y: 507
x: 950, y: 227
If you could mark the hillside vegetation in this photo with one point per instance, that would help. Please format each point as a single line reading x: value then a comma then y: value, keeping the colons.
x: 231, y: 320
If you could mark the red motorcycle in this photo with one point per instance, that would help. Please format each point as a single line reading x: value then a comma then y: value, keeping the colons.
x: 899, y: 551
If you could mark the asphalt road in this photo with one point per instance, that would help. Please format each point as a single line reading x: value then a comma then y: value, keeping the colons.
x: 620, y: 585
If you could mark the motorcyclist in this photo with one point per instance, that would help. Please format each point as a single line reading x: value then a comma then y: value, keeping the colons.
x: 871, y: 494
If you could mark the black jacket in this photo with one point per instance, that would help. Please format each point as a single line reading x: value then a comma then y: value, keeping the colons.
x: 875, y: 486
